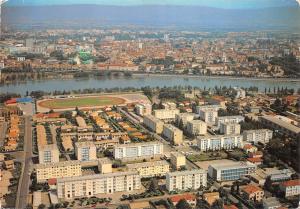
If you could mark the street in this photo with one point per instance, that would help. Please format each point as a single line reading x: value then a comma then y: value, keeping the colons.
x: 23, y: 188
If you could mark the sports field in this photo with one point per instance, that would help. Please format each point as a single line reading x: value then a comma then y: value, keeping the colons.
x: 81, y: 102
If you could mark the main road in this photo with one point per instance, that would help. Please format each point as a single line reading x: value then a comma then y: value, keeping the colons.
x: 23, y: 189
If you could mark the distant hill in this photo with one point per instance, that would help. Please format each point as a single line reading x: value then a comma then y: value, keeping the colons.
x: 192, y: 17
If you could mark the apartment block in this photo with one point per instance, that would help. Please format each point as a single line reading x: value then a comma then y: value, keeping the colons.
x: 153, y: 123
x: 230, y: 171
x: 85, y: 151
x: 145, y: 150
x: 48, y: 171
x: 177, y: 160
x: 150, y: 169
x: 261, y: 135
x: 143, y: 109
x: 48, y: 153
x: 91, y: 185
x: 280, y: 124
x: 218, y: 142
x: 183, y: 180
x: 184, y: 118
x: 229, y: 128
x: 173, y: 134
x: 208, y: 115
x: 229, y: 119
x: 166, y: 114
x: 196, y: 127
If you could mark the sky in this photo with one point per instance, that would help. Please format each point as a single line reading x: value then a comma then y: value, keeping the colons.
x: 225, y: 4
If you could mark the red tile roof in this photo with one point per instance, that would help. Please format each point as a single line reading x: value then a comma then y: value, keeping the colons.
x: 230, y: 207
x: 290, y: 183
x: 249, y: 189
x: 188, y: 197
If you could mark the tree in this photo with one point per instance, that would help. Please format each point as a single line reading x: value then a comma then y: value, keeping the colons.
x: 183, y: 204
x: 41, y: 206
x: 153, y: 186
x: 218, y: 204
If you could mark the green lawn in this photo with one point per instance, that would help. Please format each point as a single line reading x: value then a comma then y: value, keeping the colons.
x: 207, y: 156
x: 81, y: 102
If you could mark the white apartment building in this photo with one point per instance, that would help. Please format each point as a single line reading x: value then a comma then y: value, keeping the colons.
x: 143, y: 109
x: 183, y: 180
x: 136, y: 150
x: 196, y: 127
x: 291, y: 187
x: 208, y: 115
x: 48, y: 153
x: 166, y: 114
x: 173, y: 134
x: 230, y: 171
x: 229, y: 128
x: 57, y: 170
x: 150, y: 169
x: 218, y: 142
x: 177, y: 160
x: 203, y: 107
x: 91, y: 185
x: 184, y: 118
x: 85, y: 151
x: 153, y: 123
x: 261, y: 135
x: 229, y: 119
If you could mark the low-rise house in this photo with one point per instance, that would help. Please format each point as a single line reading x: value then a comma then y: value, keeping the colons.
x: 190, y: 198
x: 253, y: 193
x: 211, y: 197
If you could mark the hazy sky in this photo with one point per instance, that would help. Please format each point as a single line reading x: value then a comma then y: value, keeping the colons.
x: 232, y: 4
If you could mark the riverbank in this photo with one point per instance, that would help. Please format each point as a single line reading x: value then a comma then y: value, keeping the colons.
x: 218, y: 77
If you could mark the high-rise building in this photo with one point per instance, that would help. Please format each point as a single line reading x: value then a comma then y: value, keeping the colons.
x: 196, y: 127
x: 85, y: 151
x: 48, y: 154
x: 173, y: 134
x: 229, y: 128
x: 150, y: 169
x: 153, y: 123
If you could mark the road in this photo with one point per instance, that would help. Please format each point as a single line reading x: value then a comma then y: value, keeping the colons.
x: 23, y: 188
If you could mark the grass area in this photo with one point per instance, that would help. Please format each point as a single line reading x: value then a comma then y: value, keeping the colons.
x: 81, y: 102
x: 207, y: 156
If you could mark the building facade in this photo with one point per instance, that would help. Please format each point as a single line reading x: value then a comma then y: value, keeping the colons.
x: 153, y: 123
x: 229, y: 128
x: 218, y: 142
x: 48, y: 171
x: 85, y: 151
x: 150, y: 169
x: 177, y: 159
x: 91, y: 185
x: 183, y: 180
x: 48, y: 154
x: 196, y: 127
x: 137, y: 150
x: 230, y: 171
x: 229, y: 119
x: 166, y: 114
x: 173, y: 134
x: 261, y: 135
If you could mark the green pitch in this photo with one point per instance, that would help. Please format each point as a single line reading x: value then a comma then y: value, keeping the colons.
x: 81, y: 102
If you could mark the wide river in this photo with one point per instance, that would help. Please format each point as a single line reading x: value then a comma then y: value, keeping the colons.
x: 144, y: 80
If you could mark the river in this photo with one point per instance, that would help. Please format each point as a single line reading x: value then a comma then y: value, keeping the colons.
x: 144, y: 80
